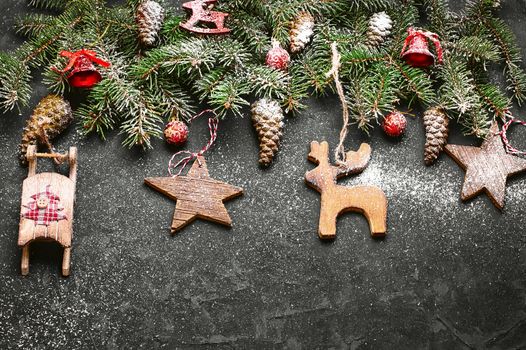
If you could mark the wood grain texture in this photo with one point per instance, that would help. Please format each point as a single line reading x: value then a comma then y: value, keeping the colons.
x: 197, y: 195
x: 487, y: 167
x: 335, y: 199
x: 58, y: 231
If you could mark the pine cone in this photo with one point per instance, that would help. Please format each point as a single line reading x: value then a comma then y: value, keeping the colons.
x: 51, y: 116
x: 437, y: 130
x: 380, y: 26
x: 267, y: 117
x: 149, y: 18
x: 301, y: 31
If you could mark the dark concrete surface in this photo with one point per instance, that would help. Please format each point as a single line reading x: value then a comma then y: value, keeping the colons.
x: 449, y: 275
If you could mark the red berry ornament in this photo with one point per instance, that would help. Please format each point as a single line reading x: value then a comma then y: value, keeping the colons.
x: 176, y: 133
x: 278, y: 57
x: 394, y: 124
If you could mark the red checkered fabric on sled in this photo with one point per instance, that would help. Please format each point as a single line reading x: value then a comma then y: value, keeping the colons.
x: 45, y: 216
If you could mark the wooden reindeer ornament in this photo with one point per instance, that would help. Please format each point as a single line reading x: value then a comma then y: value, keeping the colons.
x: 336, y: 199
x: 47, y: 206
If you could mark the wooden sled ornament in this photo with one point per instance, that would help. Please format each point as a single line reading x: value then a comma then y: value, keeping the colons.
x: 202, y: 18
x: 336, y: 199
x: 47, y: 207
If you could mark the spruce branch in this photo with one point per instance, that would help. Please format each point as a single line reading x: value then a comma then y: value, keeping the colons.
x: 267, y: 82
x: 458, y: 92
x: 146, y: 85
x: 144, y: 121
x: 170, y: 31
x: 480, y: 11
x: 370, y: 5
x: 50, y: 4
x: 15, y: 79
x: 175, y: 101
x: 33, y: 24
x: 474, y: 48
x: 229, y: 96
x: 40, y: 46
x: 207, y: 83
x: 495, y: 102
x: 443, y: 21
x: 357, y: 104
x: 297, y: 89
x: 252, y: 32
x: 415, y: 83
x: 382, y: 90
x: 118, y: 98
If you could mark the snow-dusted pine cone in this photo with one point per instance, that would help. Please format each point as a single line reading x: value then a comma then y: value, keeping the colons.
x: 149, y: 18
x: 301, y: 32
x: 267, y: 117
x: 437, y: 130
x: 51, y: 116
x: 380, y: 26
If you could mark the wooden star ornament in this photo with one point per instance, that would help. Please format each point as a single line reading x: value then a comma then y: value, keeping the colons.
x: 198, y: 196
x: 487, y: 167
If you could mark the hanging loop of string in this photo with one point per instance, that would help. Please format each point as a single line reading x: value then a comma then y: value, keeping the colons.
x: 339, y: 152
x: 508, y: 119
x: 213, y: 124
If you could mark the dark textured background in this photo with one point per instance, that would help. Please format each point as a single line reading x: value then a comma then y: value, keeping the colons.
x: 449, y: 275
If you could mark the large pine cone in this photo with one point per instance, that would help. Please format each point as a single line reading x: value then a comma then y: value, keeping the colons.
x: 51, y: 117
x: 301, y: 32
x: 267, y: 117
x: 437, y: 131
x: 380, y: 26
x: 149, y: 18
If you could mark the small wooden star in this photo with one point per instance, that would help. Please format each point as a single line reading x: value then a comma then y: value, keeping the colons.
x: 487, y: 167
x: 197, y: 196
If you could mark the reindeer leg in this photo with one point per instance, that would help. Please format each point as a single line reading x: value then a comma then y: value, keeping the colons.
x: 328, y: 217
x: 376, y: 212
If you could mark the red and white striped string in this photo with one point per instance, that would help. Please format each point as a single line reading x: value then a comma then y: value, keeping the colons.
x: 213, y: 124
x: 508, y: 119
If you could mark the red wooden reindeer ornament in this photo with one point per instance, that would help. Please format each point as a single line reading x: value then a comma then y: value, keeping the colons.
x: 335, y: 199
x: 202, y: 17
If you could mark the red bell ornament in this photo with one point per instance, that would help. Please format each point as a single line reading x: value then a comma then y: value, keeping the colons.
x: 416, y: 48
x: 81, y: 65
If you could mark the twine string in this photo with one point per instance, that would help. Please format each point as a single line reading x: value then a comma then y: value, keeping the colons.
x: 339, y: 152
x: 213, y: 123
x: 508, y: 119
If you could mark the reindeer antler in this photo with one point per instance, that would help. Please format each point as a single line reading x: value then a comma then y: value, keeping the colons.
x: 355, y: 161
x: 319, y: 152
